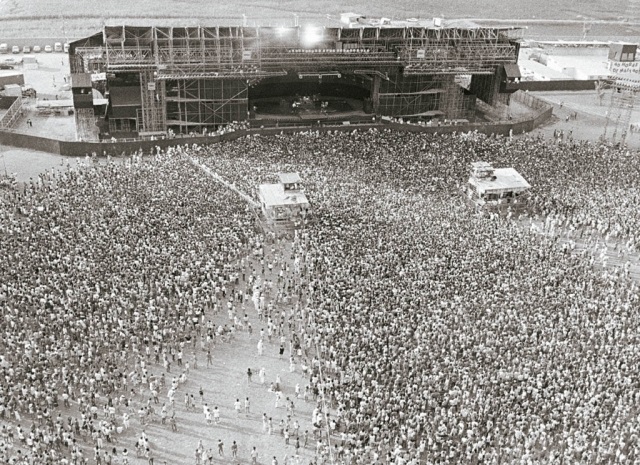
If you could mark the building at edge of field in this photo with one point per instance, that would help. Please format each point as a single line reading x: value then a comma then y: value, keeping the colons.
x: 164, y: 80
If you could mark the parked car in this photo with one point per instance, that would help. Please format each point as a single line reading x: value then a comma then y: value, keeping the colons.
x: 37, y: 49
x: 4, y: 48
x: 48, y: 49
x: 15, y: 49
x: 5, y: 66
x: 57, y: 47
x: 66, y: 48
x: 26, y: 49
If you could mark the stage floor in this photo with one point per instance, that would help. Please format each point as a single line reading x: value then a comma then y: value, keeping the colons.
x: 337, y: 108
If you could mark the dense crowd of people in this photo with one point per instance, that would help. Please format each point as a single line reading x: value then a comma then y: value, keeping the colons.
x: 578, y: 184
x: 104, y: 268
x: 429, y: 333
x: 452, y: 337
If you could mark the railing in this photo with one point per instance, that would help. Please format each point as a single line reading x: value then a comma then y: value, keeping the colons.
x: 13, y: 113
x: 541, y: 112
x: 529, y: 100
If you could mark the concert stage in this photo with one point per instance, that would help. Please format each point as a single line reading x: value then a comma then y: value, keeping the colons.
x: 188, y: 79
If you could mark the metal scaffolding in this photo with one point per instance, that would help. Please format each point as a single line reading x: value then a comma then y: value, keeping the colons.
x: 412, y: 69
x: 401, y: 95
x: 621, y: 105
x: 86, y: 129
x: 456, y: 51
x: 13, y: 113
x: 210, y: 50
x: 205, y: 103
x: 87, y: 55
x: 151, y: 118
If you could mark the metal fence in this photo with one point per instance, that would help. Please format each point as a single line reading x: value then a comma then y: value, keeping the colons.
x: 532, y: 102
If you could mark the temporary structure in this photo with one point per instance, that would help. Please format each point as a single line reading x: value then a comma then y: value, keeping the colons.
x: 284, y: 203
x: 495, y: 188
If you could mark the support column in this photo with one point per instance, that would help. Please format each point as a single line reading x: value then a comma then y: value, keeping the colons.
x: 375, y: 94
x: 152, y: 97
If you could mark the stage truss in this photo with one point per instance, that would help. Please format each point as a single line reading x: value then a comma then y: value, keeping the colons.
x: 180, y: 51
x: 624, y: 92
x: 413, y: 68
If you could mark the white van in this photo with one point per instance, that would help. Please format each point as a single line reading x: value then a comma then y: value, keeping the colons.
x: 4, y: 48
x: 66, y: 48
x: 57, y: 47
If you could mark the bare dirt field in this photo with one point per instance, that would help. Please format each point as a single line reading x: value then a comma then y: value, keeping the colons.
x: 26, y: 164
x: 43, y: 18
x: 560, y: 9
x: 590, y: 121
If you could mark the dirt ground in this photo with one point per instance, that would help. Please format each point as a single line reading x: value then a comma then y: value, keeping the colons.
x: 51, y: 80
x: 590, y: 121
x: 25, y: 164
x: 224, y: 382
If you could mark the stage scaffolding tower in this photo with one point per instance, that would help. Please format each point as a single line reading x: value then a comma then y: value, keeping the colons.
x: 622, y: 103
x: 151, y: 118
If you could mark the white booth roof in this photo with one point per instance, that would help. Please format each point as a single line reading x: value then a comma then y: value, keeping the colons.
x: 274, y: 195
x: 503, y: 180
x: 289, y: 178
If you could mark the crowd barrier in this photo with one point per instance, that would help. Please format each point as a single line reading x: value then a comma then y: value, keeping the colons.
x: 557, y: 85
x: 541, y: 112
x: 28, y: 141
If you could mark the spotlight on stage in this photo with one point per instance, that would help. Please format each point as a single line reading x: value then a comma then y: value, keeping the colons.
x: 311, y: 36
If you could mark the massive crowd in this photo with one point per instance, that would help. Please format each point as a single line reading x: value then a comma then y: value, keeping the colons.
x: 454, y: 337
x: 104, y: 268
x: 578, y: 184
x: 430, y: 333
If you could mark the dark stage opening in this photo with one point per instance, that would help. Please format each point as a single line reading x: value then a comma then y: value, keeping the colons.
x: 293, y: 97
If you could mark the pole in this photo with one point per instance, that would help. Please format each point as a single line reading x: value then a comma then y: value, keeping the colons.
x: 5, y: 166
x: 324, y: 406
